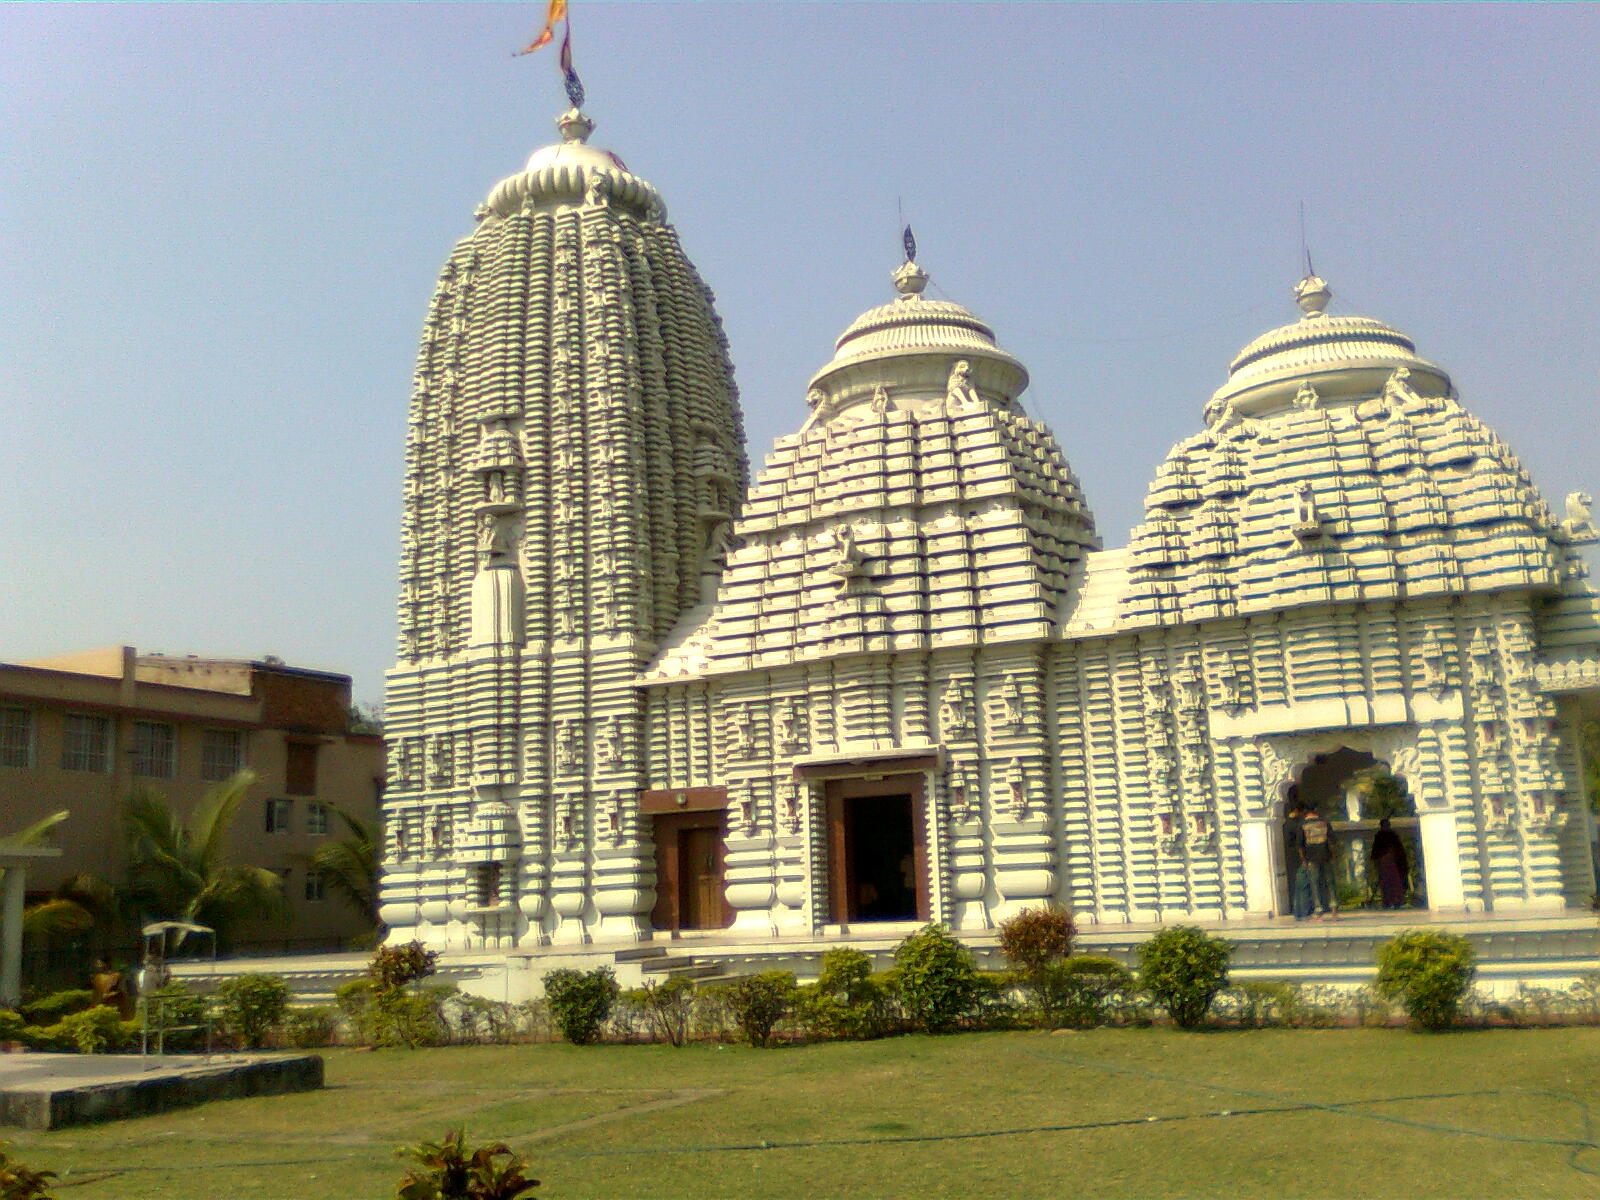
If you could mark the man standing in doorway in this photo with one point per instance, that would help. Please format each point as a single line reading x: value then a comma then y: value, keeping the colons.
x: 1316, y: 849
x: 1295, y: 863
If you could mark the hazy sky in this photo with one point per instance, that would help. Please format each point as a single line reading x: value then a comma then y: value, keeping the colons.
x: 222, y: 223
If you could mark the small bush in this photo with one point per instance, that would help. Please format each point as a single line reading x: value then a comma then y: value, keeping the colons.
x: 1260, y: 1003
x: 1428, y: 972
x: 758, y: 1002
x: 580, y: 1001
x: 479, y: 1019
x: 666, y: 1006
x: 92, y: 1031
x: 1183, y: 969
x: 355, y: 1000
x: 1036, y: 937
x: 47, y: 1010
x: 845, y: 1002
x: 12, y: 1027
x: 447, y: 1170
x: 937, y: 982
x: 20, y: 1182
x: 185, y: 1017
x: 1078, y: 992
x: 395, y: 966
x: 252, y: 1006
x: 310, y: 1028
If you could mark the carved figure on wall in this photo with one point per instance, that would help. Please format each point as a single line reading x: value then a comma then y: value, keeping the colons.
x: 1306, y: 398
x: 790, y: 724
x: 1432, y: 664
x: 815, y: 397
x: 608, y: 744
x: 1307, y: 520
x: 597, y: 191
x: 1398, y: 392
x: 1009, y: 697
x: 959, y: 392
x: 880, y: 400
x: 566, y: 745
x: 493, y: 544
x: 847, y: 557
x: 1230, y: 684
x: 741, y: 733
x: 1579, y: 527
x: 439, y: 758
x: 1017, y: 800
x: 955, y: 712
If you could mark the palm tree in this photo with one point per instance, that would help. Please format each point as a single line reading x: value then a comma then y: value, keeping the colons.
x: 350, y: 865
x: 78, y: 901
x: 180, y: 869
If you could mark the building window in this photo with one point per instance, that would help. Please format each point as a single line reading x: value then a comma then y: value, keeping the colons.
x: 278, y: 811
x: 221, y: 754
x: 85, y: 743
x: 155, y: 750
x: 317, y: 818
x: 300, y: 768
x: 16, y: 737
x: 316, y: 887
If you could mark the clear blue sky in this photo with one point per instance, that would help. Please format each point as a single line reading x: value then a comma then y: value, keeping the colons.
x: 221, y: 225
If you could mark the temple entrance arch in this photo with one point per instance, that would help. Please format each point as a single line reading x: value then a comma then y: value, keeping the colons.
x: 1356, y: 791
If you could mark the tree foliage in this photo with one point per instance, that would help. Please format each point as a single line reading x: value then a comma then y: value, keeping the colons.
x: 350, y: 864
x: 580, y: 1001
x: 252, y: 1006
x: 181, y: 868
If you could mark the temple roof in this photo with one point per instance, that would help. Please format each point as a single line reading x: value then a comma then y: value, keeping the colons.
x: 1341, y: 356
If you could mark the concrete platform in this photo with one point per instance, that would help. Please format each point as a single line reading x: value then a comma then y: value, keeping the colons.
x: 48, y: 1091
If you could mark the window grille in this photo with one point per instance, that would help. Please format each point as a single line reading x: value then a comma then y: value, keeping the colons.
x: 85, y: 743
x: 221, y: 754
x: 155, y: 750
x: 16, y: 737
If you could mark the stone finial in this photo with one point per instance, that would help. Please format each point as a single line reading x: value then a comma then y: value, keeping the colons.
x: 1312, y: 295
x: 574, y: 126
x: 909, y: 280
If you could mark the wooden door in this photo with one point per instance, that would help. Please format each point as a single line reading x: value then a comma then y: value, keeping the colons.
x: 700, y: 875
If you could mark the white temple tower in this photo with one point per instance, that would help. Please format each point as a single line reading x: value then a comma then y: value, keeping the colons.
x: 574, y: 450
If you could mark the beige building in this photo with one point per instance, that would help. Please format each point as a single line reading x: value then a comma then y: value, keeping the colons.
x: 79, y: 732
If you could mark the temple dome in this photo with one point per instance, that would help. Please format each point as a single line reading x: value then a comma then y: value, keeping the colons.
x: 911, y: 343
x: 560, y: 175
x: 1344, y: 358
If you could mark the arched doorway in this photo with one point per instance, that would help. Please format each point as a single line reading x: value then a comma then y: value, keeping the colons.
x: 1355, y: 792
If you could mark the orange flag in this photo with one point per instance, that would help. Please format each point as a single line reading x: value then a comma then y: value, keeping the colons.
x: 558, y: 10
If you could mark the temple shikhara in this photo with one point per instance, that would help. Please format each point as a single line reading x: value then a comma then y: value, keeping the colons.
x: 896, y: 678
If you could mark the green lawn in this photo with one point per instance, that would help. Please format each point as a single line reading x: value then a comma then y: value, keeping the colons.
x: 1149, y: 1112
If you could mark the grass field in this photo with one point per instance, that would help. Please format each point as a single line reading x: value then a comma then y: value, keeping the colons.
x: 1131, y: 1112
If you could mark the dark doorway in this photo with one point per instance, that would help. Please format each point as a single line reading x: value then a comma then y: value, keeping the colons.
x: 689, y: 872
x: 878, y: 861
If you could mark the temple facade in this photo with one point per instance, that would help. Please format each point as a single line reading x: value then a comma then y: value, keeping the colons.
x: 900, y: 680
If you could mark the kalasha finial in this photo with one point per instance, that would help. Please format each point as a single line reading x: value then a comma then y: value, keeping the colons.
x: 1312, y: 295
x: 910, y: 279
x: 574, y: 126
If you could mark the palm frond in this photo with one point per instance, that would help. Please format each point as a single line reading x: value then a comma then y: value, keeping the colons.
x: 212, y: 817
x: 35, y: 833
x: 57, y: 918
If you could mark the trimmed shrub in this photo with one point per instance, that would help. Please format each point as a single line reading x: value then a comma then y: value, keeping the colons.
x: 1078, y: 992
x: 310, y: 1028
x: 1036, y: 937
x: 666, y: 1006
x: 94, y: 1030
x: 759, y: 1002
x: 580, y: 1001
x: 1428, y: 972
x: 1183, y: 969
x: 47, y: 1010
x: 252, y: 1006
x: 1260, y: 1003
x: 846, y: 1001
x: 936, y: 981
